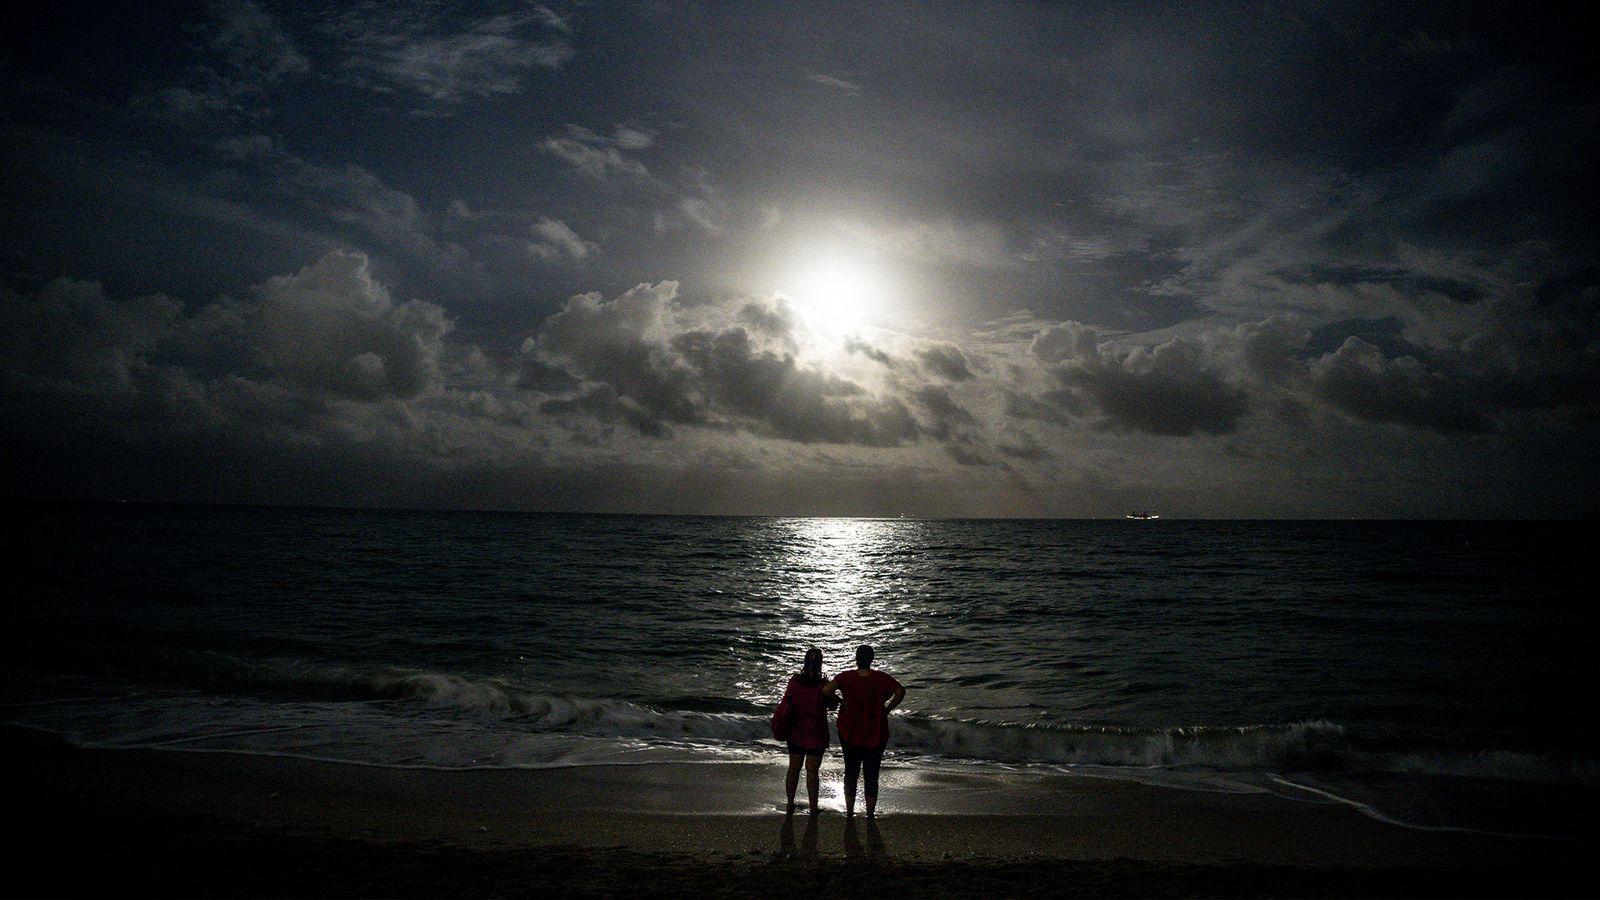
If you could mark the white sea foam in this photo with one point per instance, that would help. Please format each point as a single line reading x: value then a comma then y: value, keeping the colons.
x: 517, y: 725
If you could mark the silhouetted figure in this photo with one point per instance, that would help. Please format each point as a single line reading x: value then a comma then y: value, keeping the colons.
x: 808, y: 729
x: 864, y: 724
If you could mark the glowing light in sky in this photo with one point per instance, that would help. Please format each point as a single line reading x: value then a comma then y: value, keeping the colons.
x: 837, y: 293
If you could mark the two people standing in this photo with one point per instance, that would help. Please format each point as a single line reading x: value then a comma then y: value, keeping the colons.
x: 866, y: 696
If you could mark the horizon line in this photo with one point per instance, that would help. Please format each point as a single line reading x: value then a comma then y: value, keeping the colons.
x: 458, y: 510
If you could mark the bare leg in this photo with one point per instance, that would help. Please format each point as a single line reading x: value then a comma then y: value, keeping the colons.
x: 813, y: 763
x: 792, y: 780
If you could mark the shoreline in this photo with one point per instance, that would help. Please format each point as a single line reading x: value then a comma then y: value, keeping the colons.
x: 207, y: 823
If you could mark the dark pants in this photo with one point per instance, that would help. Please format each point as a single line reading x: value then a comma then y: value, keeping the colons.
x: 856, y: 759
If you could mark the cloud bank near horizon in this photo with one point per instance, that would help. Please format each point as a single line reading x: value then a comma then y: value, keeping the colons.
x: 323, y: 369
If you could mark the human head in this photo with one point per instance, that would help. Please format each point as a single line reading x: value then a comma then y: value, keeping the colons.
x: 813, y: 666
x: 864, y: 656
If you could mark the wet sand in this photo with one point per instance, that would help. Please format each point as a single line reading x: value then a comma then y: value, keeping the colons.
x: 208, y: 824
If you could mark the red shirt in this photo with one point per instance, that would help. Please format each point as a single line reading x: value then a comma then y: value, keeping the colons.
x: 862, y: 719
x: 808, y: 717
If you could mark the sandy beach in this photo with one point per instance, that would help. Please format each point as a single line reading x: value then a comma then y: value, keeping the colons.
x: 210, y: 824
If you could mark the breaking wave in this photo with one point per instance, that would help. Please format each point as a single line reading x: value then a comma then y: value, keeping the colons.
x: 1301, y: 746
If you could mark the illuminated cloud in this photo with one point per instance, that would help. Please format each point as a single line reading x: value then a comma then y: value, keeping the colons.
x: 596, y: 161
x: 555, y: 240
x: 449, y: 60
x: 277, y: 253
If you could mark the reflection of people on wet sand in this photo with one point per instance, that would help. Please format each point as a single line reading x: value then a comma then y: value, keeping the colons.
x: 875, y: 848
x: 868, y: 695
x: 807, y: 849
x: 808, y: 725
x: 874, y: 851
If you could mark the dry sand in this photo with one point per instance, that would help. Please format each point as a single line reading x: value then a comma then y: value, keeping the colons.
x: 115, y: 822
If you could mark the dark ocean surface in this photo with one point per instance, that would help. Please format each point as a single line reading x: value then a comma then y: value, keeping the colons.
x: 1438, y: 673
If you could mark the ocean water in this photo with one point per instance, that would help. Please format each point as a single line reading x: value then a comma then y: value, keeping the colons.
x: 1440, y: 674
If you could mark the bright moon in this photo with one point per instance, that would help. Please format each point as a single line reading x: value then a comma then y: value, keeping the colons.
x: 837, y: 294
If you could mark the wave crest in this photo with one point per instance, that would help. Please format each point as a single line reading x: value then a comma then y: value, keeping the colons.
x: 1316, y: 745
x: 1300, y: 745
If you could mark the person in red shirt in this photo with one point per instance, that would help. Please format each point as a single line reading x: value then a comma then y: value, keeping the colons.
x: 864, y: 724
x: 808, y: 729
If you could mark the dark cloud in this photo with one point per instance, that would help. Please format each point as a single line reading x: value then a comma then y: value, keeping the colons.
x: 1360, y: 380
x: 1207, y: 385
x: 70, y: 352
x: 964, y: 453
x: 250, y: 40
x: 533, y: 374
x: 1538, y: 354
x: 1272, y: 350
x: 947, y: 416
x: 1576, y: 289
x: 1387, y: 333
x: 952, y: 425
x: 652, y: 374
x: 775, y: 318
x: 876, y: 354
x: 601, y: 402
x: 618, y: 344
x: 1407, y: 280
x: 776, y: 396
x: 330, y: 328
x: 326, y: 332
x: 1059, y: 406
x: 1170, y: 389
x: 275, y: 183
x: 1470, y: 375
x: 946, y: 361
x: 246, y: 53
x: 1026, y: 448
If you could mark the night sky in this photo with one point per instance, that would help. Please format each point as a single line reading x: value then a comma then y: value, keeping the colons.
x: 1210, y: 259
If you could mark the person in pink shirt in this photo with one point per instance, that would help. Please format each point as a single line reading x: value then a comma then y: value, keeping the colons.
x: 808, y: 729
x: 868, y: 695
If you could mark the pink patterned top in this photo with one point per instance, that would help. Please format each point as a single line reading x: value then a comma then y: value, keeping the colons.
x: 809, y: 718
